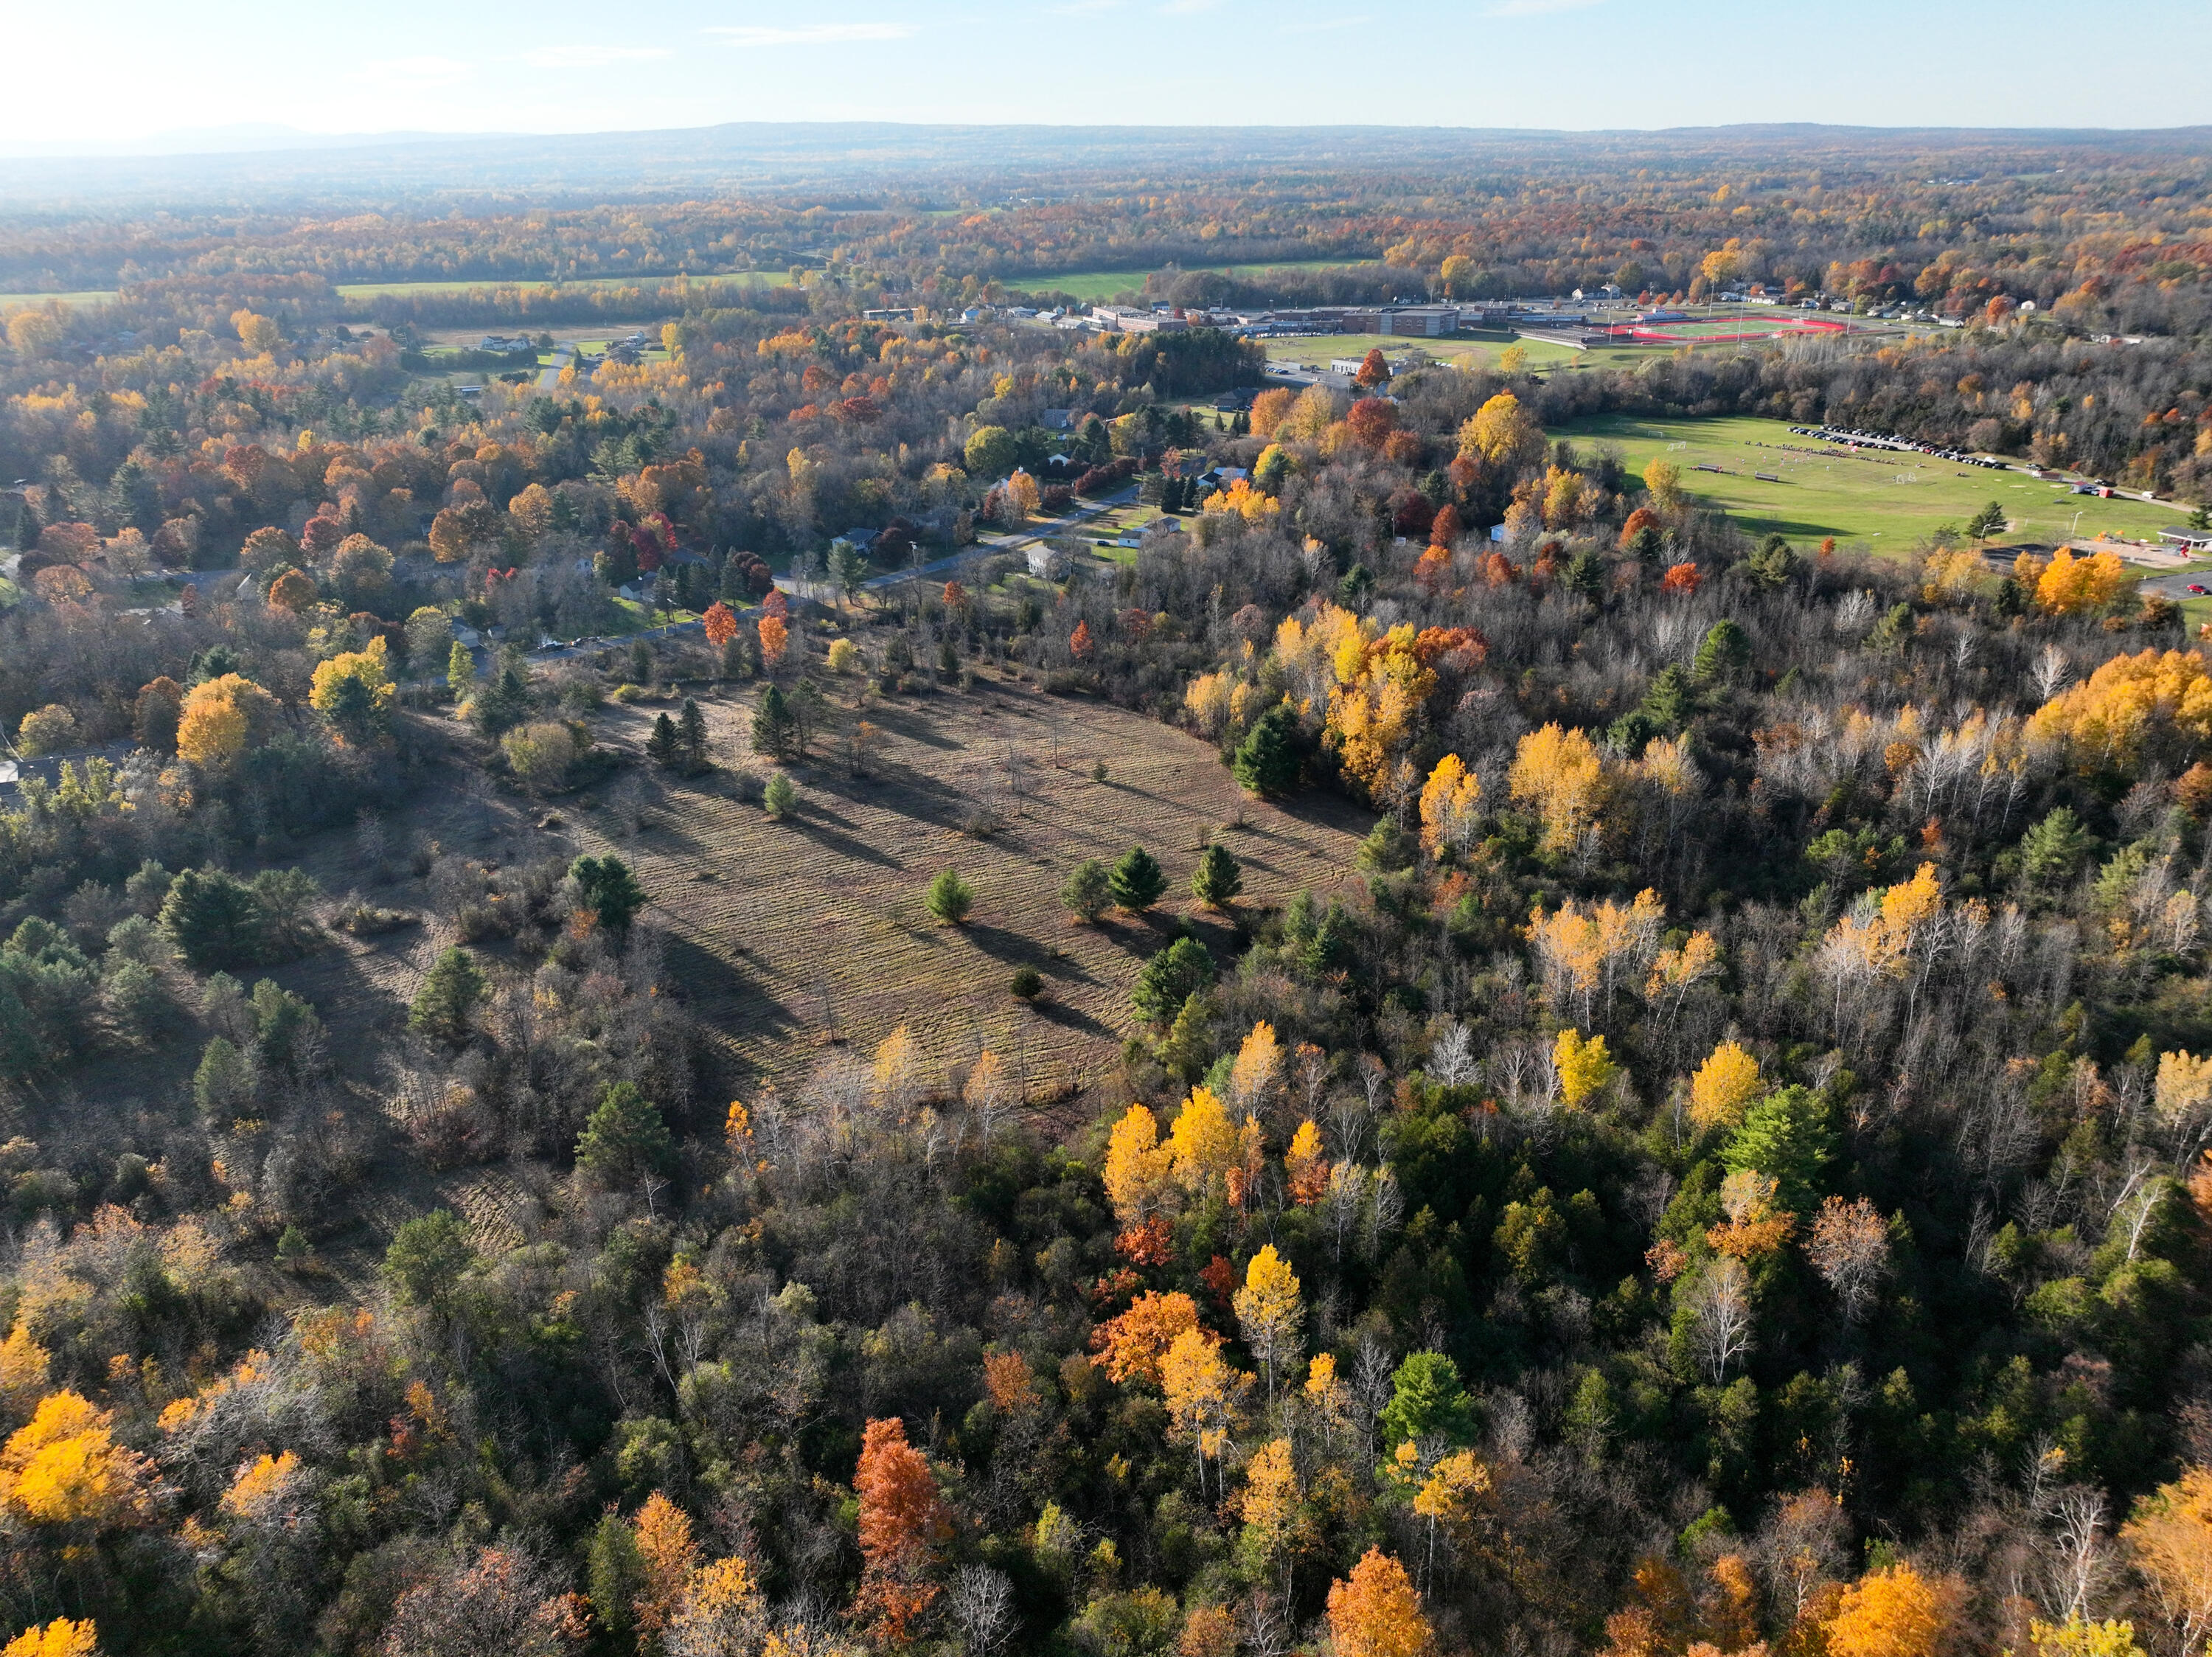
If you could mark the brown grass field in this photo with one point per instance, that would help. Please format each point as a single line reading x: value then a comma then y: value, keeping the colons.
x: 785, y: 937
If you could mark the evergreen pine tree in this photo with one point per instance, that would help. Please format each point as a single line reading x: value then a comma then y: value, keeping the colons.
x: 662, y: 747
x: 1137, y: 881
x: 1268, y: 759
x: 607, y: 888
x: 691, y: 734
x: 450, y: 992
x: 773, y: 724
x: 1217, y: 879
x: 623, y: 1137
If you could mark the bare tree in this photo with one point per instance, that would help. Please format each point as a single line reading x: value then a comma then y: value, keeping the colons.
x: 1722, y: 1303
x: 1451, y: 1056
x: 1849, y: 1248
x: 982, y: 1606
x: 2077, y: 1554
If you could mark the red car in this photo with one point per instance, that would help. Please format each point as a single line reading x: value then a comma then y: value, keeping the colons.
x: 2197, y: 587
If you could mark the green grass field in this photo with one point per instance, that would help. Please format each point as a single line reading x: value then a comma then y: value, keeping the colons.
x: 374, y: 289
x: 1885, y: 503
x: 89, y: 296
x: 1097, y: 285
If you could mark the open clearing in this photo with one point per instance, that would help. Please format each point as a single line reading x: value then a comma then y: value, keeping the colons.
x: 782, y: 932
x: 1884, y: 500
x: 88, y: 296
x: 1097, y: 285
x: 377, y: 290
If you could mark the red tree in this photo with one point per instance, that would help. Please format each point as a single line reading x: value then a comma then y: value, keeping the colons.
x: 1078, y: 642
x: 901, y: 1523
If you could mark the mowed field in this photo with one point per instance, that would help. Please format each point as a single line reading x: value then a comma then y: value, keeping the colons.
x: 1883, y: 500
x: 1097, y: 285
x: 374, y: 289
x: 785, y: 935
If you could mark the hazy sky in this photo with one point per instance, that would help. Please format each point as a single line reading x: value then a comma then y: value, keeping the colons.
x: 103, y: 71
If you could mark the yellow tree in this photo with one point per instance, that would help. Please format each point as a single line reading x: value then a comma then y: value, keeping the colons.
x: 1204, y: 1144
x: 1586, y: 952
x: 2128, y: 700
x: 1258, y: 1071
x: 1891, y: 1612
x: 1204, y: 1396
x: 1451, y: 806
x: 219, y: 717
x: 1305, y: 1168
x: 1724, y: 1086
x: 1270, y: 1314
x: 66, y: 1467
x: 2170, y: 1536
x: 59, y: 1638
x: 2070, y: 586
x: 24, y: 1365
x: 1449, y: 1499
x: 1584, y: 1065
x: 1376, y: 1613
x: 1273, y: 1509
x: 1138, y: 1167
x: 1501, y: 434
x: 1557, y: 772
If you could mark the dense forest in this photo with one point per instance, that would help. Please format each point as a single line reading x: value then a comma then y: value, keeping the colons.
x: 1722, y: 1168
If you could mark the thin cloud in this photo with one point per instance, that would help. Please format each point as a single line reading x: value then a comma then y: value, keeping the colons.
x: 1537, y: 7
x: 591, y: 56
x: 1086, y: 8
x: 412, y: 73
x: 1328, y: 27
x: 812, y: 34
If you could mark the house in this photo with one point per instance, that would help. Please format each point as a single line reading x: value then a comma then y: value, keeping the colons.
x: 1057, y: 419
x: 862, y: 540
x: 2196, y: 542
x: 890, y: 313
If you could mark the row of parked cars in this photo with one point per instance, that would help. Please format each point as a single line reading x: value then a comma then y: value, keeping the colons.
x: 1879, y: 440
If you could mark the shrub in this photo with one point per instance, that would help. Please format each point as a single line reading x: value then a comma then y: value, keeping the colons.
x: 544, y: 754
x: 780, y: 797
x: 1028, y: 984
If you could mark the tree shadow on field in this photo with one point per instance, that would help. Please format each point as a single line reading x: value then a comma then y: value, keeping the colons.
x: 1016, y: 949
x: 899, y: 722
x: 890, y: 786
x: 713, y: 986
x: 1070, y: 1018
x: 844, y: 844
x: 1318, y: 810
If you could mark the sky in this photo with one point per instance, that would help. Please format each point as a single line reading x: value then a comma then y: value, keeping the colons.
x: 104, y: 72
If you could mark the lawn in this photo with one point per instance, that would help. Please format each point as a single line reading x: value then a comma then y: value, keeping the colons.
x: 1097, y: 286
x: 1889, y: 500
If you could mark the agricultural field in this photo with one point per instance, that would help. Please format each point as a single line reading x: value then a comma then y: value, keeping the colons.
x: 1885, y: 501
x: 1097, y: 286
x: 788, y: 935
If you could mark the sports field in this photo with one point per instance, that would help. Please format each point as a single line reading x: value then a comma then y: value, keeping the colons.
x: 1318, y: 350
x: 1884, y: 501
x: 1097, y: 285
